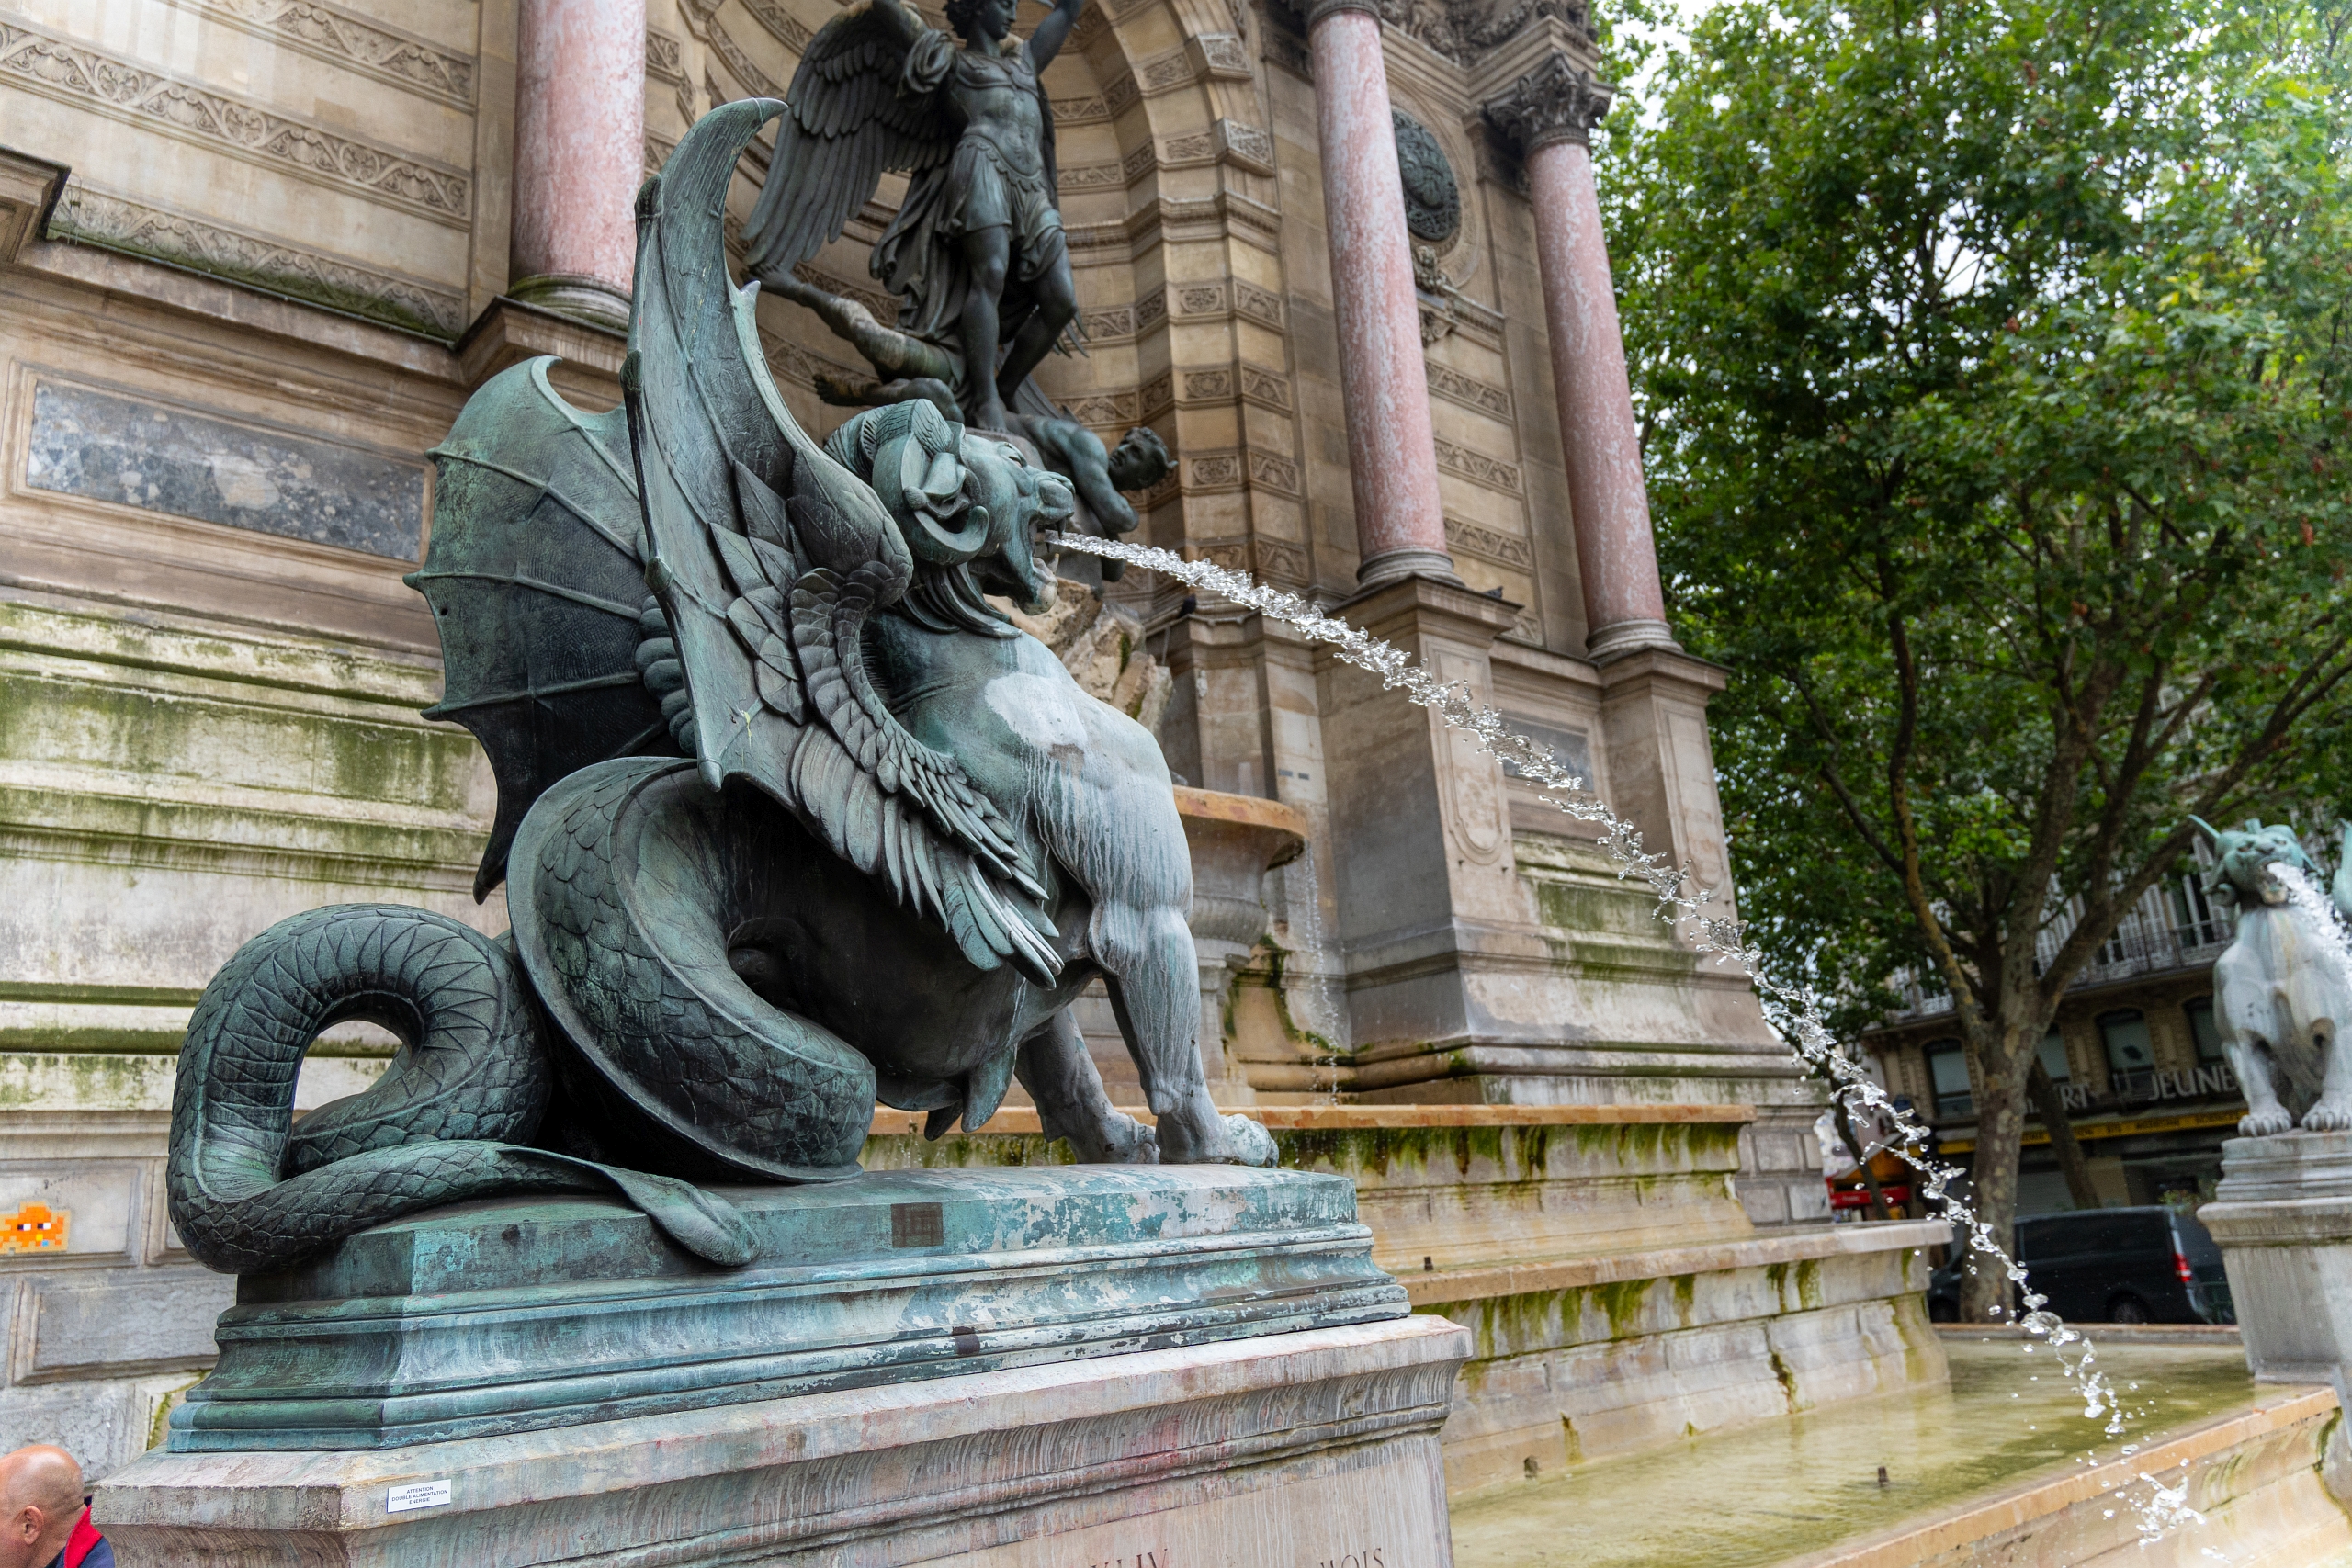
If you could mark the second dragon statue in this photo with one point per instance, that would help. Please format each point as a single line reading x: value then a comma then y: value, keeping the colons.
x: 791, y: 819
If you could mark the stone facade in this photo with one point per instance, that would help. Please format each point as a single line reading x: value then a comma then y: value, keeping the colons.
x: 254, y: 255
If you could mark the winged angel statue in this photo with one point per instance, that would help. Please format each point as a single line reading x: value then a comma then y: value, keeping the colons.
x: 791, y: 819
x: 977, y: 253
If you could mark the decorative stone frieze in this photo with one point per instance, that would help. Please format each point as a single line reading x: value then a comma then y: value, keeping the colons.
x: 119, y: 223
x: 1164, y: 71
x: 1460, y: 387
x: 1270, y: 389
x: 1251, y: 146
x: 1219, y: 55
x: 1118, y: 322
x: 354, y: 42
x: 1492, y: 472
x: 1504, y: 549
x: 782, y: 24
x: 664, y: 61
x: 1272, y: 472
x: 122, y: 90
x: 1460, y: 30
x: 757, y: 83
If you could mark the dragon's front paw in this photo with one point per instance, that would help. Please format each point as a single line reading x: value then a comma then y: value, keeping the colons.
x: 2330, y: 1115
x: 1196, y: 1135
x: 1113, y: 1138
x: 2265, y: 1124
x: 1251, y: 1144
x: 1123, y: 1140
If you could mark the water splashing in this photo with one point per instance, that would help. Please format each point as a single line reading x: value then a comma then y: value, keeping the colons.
x: 1309, y: 971
x: 2303, y: 891
x: 1794, y: 1011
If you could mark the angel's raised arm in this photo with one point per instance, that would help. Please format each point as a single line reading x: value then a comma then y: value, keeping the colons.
x: 1047, y: 40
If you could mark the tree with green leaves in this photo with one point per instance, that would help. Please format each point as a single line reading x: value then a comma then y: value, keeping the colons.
x: 1996, y: 374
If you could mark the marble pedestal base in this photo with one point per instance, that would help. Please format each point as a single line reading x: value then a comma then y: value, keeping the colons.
x: 1318, y: 1447
x: 2283, y: 1216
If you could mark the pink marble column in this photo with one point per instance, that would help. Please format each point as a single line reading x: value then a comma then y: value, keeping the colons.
x: 578, y: 154
x: 1392, y: 455
x: 1553, y: 109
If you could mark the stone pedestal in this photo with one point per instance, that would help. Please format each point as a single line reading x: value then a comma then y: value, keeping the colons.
x: 489, y: 1318
x: 2283, y: 1216
x: 1305, y: 1447
x: 1191, y: 1364
x: 1423, y: 870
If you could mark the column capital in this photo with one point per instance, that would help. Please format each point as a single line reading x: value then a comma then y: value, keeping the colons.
x: 1317, y: 9
x: 1556, y: 101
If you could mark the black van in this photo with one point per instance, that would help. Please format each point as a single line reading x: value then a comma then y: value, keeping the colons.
x: 2152, y: 1265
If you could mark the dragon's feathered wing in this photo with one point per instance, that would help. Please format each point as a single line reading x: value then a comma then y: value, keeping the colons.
x: 767, y: 556
x: 844, y: 126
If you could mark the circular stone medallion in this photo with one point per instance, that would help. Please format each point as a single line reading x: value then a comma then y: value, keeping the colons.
x: 1432, y: 199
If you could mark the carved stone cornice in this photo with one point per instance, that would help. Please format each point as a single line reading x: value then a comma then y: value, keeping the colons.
x: 1556, y: 101
x: 117, y: 223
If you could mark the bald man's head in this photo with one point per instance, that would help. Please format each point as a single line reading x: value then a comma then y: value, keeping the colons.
x: 41, y: 1497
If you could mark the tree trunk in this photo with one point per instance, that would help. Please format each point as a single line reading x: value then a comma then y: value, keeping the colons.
x: 2050, y: 1106
x: 1984, y: 1294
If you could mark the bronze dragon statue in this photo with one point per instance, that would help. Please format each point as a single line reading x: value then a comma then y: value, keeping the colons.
x: 790, y: 818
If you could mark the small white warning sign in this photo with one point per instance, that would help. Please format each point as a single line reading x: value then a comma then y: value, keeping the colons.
x: 417, y: 1494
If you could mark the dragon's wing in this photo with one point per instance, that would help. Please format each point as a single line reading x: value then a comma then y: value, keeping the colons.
x: 767, y: 554
x: 536, y: 578
x: 844, y: 124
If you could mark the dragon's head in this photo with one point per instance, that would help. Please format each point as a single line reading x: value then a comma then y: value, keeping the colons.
x: 968, y: 507
x: 1022, y: 500
x: 2245, y: 856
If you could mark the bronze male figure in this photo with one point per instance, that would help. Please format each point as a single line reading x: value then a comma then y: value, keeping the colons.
x: 977, y: 252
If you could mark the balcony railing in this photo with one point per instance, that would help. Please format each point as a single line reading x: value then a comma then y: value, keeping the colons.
x: 2122, y: 957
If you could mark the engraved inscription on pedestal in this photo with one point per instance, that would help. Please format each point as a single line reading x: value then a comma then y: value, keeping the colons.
x: 107, y: 446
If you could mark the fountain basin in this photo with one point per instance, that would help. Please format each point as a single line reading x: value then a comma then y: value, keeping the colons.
x: 1983, y: 1471
x: 1617, y: 1294
x: 1235, y: 840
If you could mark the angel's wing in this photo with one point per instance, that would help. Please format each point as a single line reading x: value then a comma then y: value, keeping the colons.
x: 767, y: 554
x: 844, y: 123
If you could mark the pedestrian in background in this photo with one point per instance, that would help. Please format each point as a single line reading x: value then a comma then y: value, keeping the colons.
x: 44, y: 1522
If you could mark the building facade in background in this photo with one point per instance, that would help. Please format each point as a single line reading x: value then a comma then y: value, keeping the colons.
x: 2133, y: 1051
